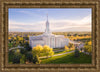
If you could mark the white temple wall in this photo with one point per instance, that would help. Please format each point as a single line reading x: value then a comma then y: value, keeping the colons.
x: 35, y: 43
x: 52, y: 42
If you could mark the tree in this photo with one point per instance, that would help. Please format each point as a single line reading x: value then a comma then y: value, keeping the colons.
x: 89, y: 43
x: 66, y: 48
x: 88, y: 47
x: 42, y: 50
x: 76, y: 53
x: 22, y: 59
x: 47, y: 51
x: 23, y: 51
x: 51, y: 53
x: 37, y: 50
x: 16, y: 59
x: 71, y: 45
x: 29, y: 57
x: 36, y: 60
x: 11, y: 55
x: 27, y: 47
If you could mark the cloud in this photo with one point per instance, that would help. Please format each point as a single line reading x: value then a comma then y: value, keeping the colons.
x: 55, y: 25
x: 64, y: 25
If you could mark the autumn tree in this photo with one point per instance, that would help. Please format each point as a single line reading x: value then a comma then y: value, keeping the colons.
x: 42, y: 50
x: 71, y: 46
x: 47, y: 50
x: 37, y: 50
x: 66, y: 48
x: 88, y: 47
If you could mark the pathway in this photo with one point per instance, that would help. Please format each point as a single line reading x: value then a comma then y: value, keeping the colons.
x: 18, y: 47
x: 57, y: 54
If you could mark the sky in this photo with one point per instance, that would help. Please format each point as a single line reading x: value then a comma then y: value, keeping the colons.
x: 60, y: 19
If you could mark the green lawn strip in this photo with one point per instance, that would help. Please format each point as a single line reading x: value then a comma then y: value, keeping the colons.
x: 68, y: 59
x: 59, y: 52
x: 55, y: 49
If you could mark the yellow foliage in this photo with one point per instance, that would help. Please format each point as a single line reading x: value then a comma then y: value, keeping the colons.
x: 37, y: 50
x: 89, y: 42
x: 14, y: 38
x: 9, y: 37
x: 78, y: 37
x: 20, y: 38
x: 46, y: 50
x: 66, y: 48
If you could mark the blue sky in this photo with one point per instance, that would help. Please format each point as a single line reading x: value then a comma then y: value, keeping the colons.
x: 60, y: 19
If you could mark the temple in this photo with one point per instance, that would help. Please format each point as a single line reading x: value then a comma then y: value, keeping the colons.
x: 47, y: 38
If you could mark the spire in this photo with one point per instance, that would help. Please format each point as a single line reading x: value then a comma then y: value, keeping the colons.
x: 47, y: 16
x: 47, y: 25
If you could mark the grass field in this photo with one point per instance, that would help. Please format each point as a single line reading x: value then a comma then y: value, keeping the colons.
x: 68, y: 59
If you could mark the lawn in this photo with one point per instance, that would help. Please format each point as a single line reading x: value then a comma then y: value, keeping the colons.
x: 68, y: 59
x: 56, y: 49
x: 59, y: 52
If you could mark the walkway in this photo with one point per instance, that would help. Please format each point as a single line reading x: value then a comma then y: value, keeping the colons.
x: 18, y: 47
x: 57, y: 54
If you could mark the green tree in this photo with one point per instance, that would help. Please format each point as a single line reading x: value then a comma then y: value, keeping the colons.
x: 11, y: 55
x: 36, y: 60
x: 16, y: 59
x: 29, y: 57
x: 76, y: 53
x: 23, y: 51
x: 22, y: 59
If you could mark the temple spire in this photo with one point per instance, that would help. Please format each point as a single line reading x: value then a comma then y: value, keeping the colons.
x: 47, y: 25
x: 47, y: 17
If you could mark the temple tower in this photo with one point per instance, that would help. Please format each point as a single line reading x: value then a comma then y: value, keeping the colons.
x: 47, y: 30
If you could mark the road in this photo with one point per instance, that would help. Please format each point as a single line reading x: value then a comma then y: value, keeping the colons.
x: 57, y: 54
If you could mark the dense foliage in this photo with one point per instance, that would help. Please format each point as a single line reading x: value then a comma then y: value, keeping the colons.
x: 42, y: 51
